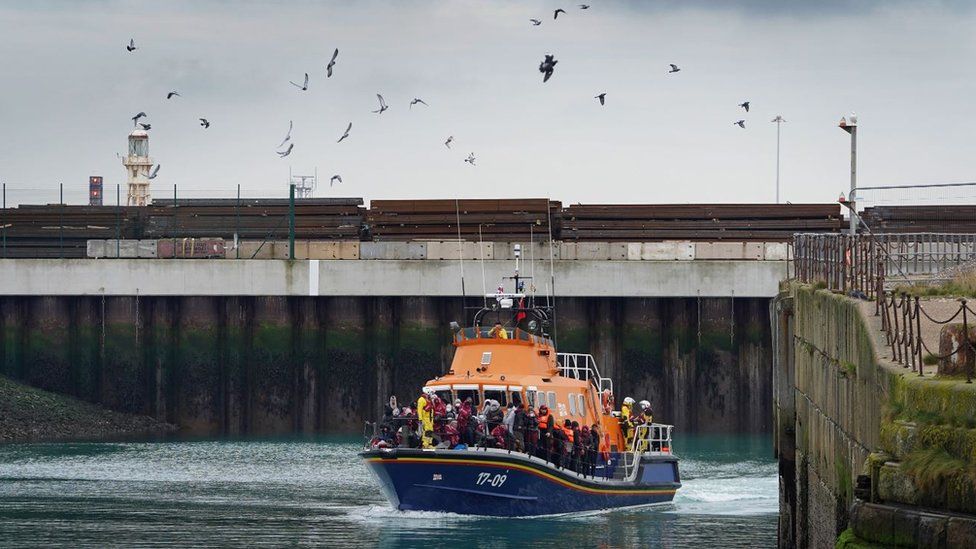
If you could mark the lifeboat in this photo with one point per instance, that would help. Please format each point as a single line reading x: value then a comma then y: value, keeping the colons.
x: 506, y: 359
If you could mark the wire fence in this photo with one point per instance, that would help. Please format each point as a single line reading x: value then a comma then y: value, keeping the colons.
x: 869, y: 266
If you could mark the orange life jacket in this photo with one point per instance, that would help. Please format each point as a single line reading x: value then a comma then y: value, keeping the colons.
x: 569, y: 433
x: 543, y: 420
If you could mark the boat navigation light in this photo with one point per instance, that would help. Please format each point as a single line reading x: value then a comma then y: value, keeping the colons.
x: 455, y: 327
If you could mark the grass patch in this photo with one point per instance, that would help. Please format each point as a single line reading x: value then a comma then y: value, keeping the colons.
x: 847, y: 540
x: 820, y: 285
x: 932, y: 467
x: 930, y: 359
x: 962, y: 285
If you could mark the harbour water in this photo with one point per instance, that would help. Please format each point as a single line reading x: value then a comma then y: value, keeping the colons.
x: 316, y: 492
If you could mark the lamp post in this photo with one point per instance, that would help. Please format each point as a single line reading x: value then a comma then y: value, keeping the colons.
x: 779, y: 120
x: 849, y: 125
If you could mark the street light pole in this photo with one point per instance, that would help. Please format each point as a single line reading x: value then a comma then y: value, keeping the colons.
x: 779, y: 120
x: 849, y: 125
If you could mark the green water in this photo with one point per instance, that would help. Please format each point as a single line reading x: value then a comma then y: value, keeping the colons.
x: 316, y: 492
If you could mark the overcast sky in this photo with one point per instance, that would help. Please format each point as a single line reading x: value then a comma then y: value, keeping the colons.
x: 68, y: 89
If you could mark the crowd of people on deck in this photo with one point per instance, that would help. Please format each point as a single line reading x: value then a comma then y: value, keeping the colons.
x: 433, y: 423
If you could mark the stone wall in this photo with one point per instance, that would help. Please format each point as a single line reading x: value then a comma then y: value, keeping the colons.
x: 843, y: 410
x: 234, y: 365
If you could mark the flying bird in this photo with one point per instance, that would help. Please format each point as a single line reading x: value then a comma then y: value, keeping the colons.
x: 287, y: 151
x: 745, y: 106
x: 204, y: 122
x: 448, y: 142
x: 556, y: 13
x: 584, y: 6
x: 415, y: 101
x: 155, y: 172
x: 383, y: 106
x: 135, y: 119
x: 288, y: 135
x: 172, y: 93
x: 303, y: 87
x: 674, y: 68
x: 328, y: 68
x: 470, y: 159
x: 335, y: 178
x: 145, y: 126
x: 346, y: 134
x: 602, y: 97
x: 132, y: 45
x: 547, y: 66
x: 535, y: 22
x: 740, y: 123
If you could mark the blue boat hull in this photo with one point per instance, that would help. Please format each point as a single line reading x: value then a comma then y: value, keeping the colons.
x: 502, y: 484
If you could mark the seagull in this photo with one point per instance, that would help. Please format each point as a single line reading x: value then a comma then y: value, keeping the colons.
x: 535, y: 22
x: 470, y: 159
x: 547, y: 66
x: 172, y: 93
x: 556, y: 13
x: 132, y: 45
x: 745, y: 106
x: 328, y: 68
x: 287, y: 151
x: 584, y: 6
x: 155, y: 172
x: 740, y: 123
x: 303, y: 87
x: 602, y: 97
x: 335, y: 178
x: 288, y: 136
x: 674, y: 68
x: 415, y: 101
x: 383, y: 106
x: 346, y: 134
x: 146, y: 126
x: 204, y: 122
x: 135, y: 119
x: 448, y: 142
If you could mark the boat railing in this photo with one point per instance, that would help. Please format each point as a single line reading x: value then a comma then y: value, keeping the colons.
x: 653, y: 439
x: 582, y: 366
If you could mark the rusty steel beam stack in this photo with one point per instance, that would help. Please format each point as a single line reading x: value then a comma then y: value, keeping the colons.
x: 651, y: 222
x: 497, y: 220
x: 315, y: 218
x: 55, y: 230
x: 921, y: 219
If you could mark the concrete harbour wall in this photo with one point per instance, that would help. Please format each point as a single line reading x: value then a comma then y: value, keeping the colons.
x: 231, y: 365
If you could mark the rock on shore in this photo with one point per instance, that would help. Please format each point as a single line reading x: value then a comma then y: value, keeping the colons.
x: 30, y: 415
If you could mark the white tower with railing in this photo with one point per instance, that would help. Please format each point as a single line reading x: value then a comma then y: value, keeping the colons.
x: 137, y: 164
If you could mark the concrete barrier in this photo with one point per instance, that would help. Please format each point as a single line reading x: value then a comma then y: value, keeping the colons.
x: 537, y: 251
x: 393, y: 250
x: 668, y: 251
x: 729, y: 250
x: 330, y: 249
x: 776, y: 251
x: 447, y: 250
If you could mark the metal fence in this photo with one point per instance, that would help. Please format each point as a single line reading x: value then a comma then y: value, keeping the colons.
x: 869, y: 264
x: 872, y: 266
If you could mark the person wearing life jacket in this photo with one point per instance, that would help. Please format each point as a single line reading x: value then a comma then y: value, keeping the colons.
x: 464, y: 422
x: 439, y: 410
x: 642, y: 418
x: 425, y: 413
x: 567, y: 451
x: 584, y: 450
x: 605, y: 456
x: 531, y: 431
x: 545, y: 422
x: 625, y: 425
x: 499, y: 435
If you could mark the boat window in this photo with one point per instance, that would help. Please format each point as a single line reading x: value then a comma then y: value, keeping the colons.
x: 572, y: 405
x: 582, y: 405
x: 486, y: 358
x: 463, y: 394
x: 495, y: 394
x: 516, y: 398
x: 445, y: 396
x: 552, y: 400
x: 530, y: 397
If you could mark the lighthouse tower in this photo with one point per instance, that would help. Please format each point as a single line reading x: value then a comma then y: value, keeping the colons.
x: 137, y: 164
